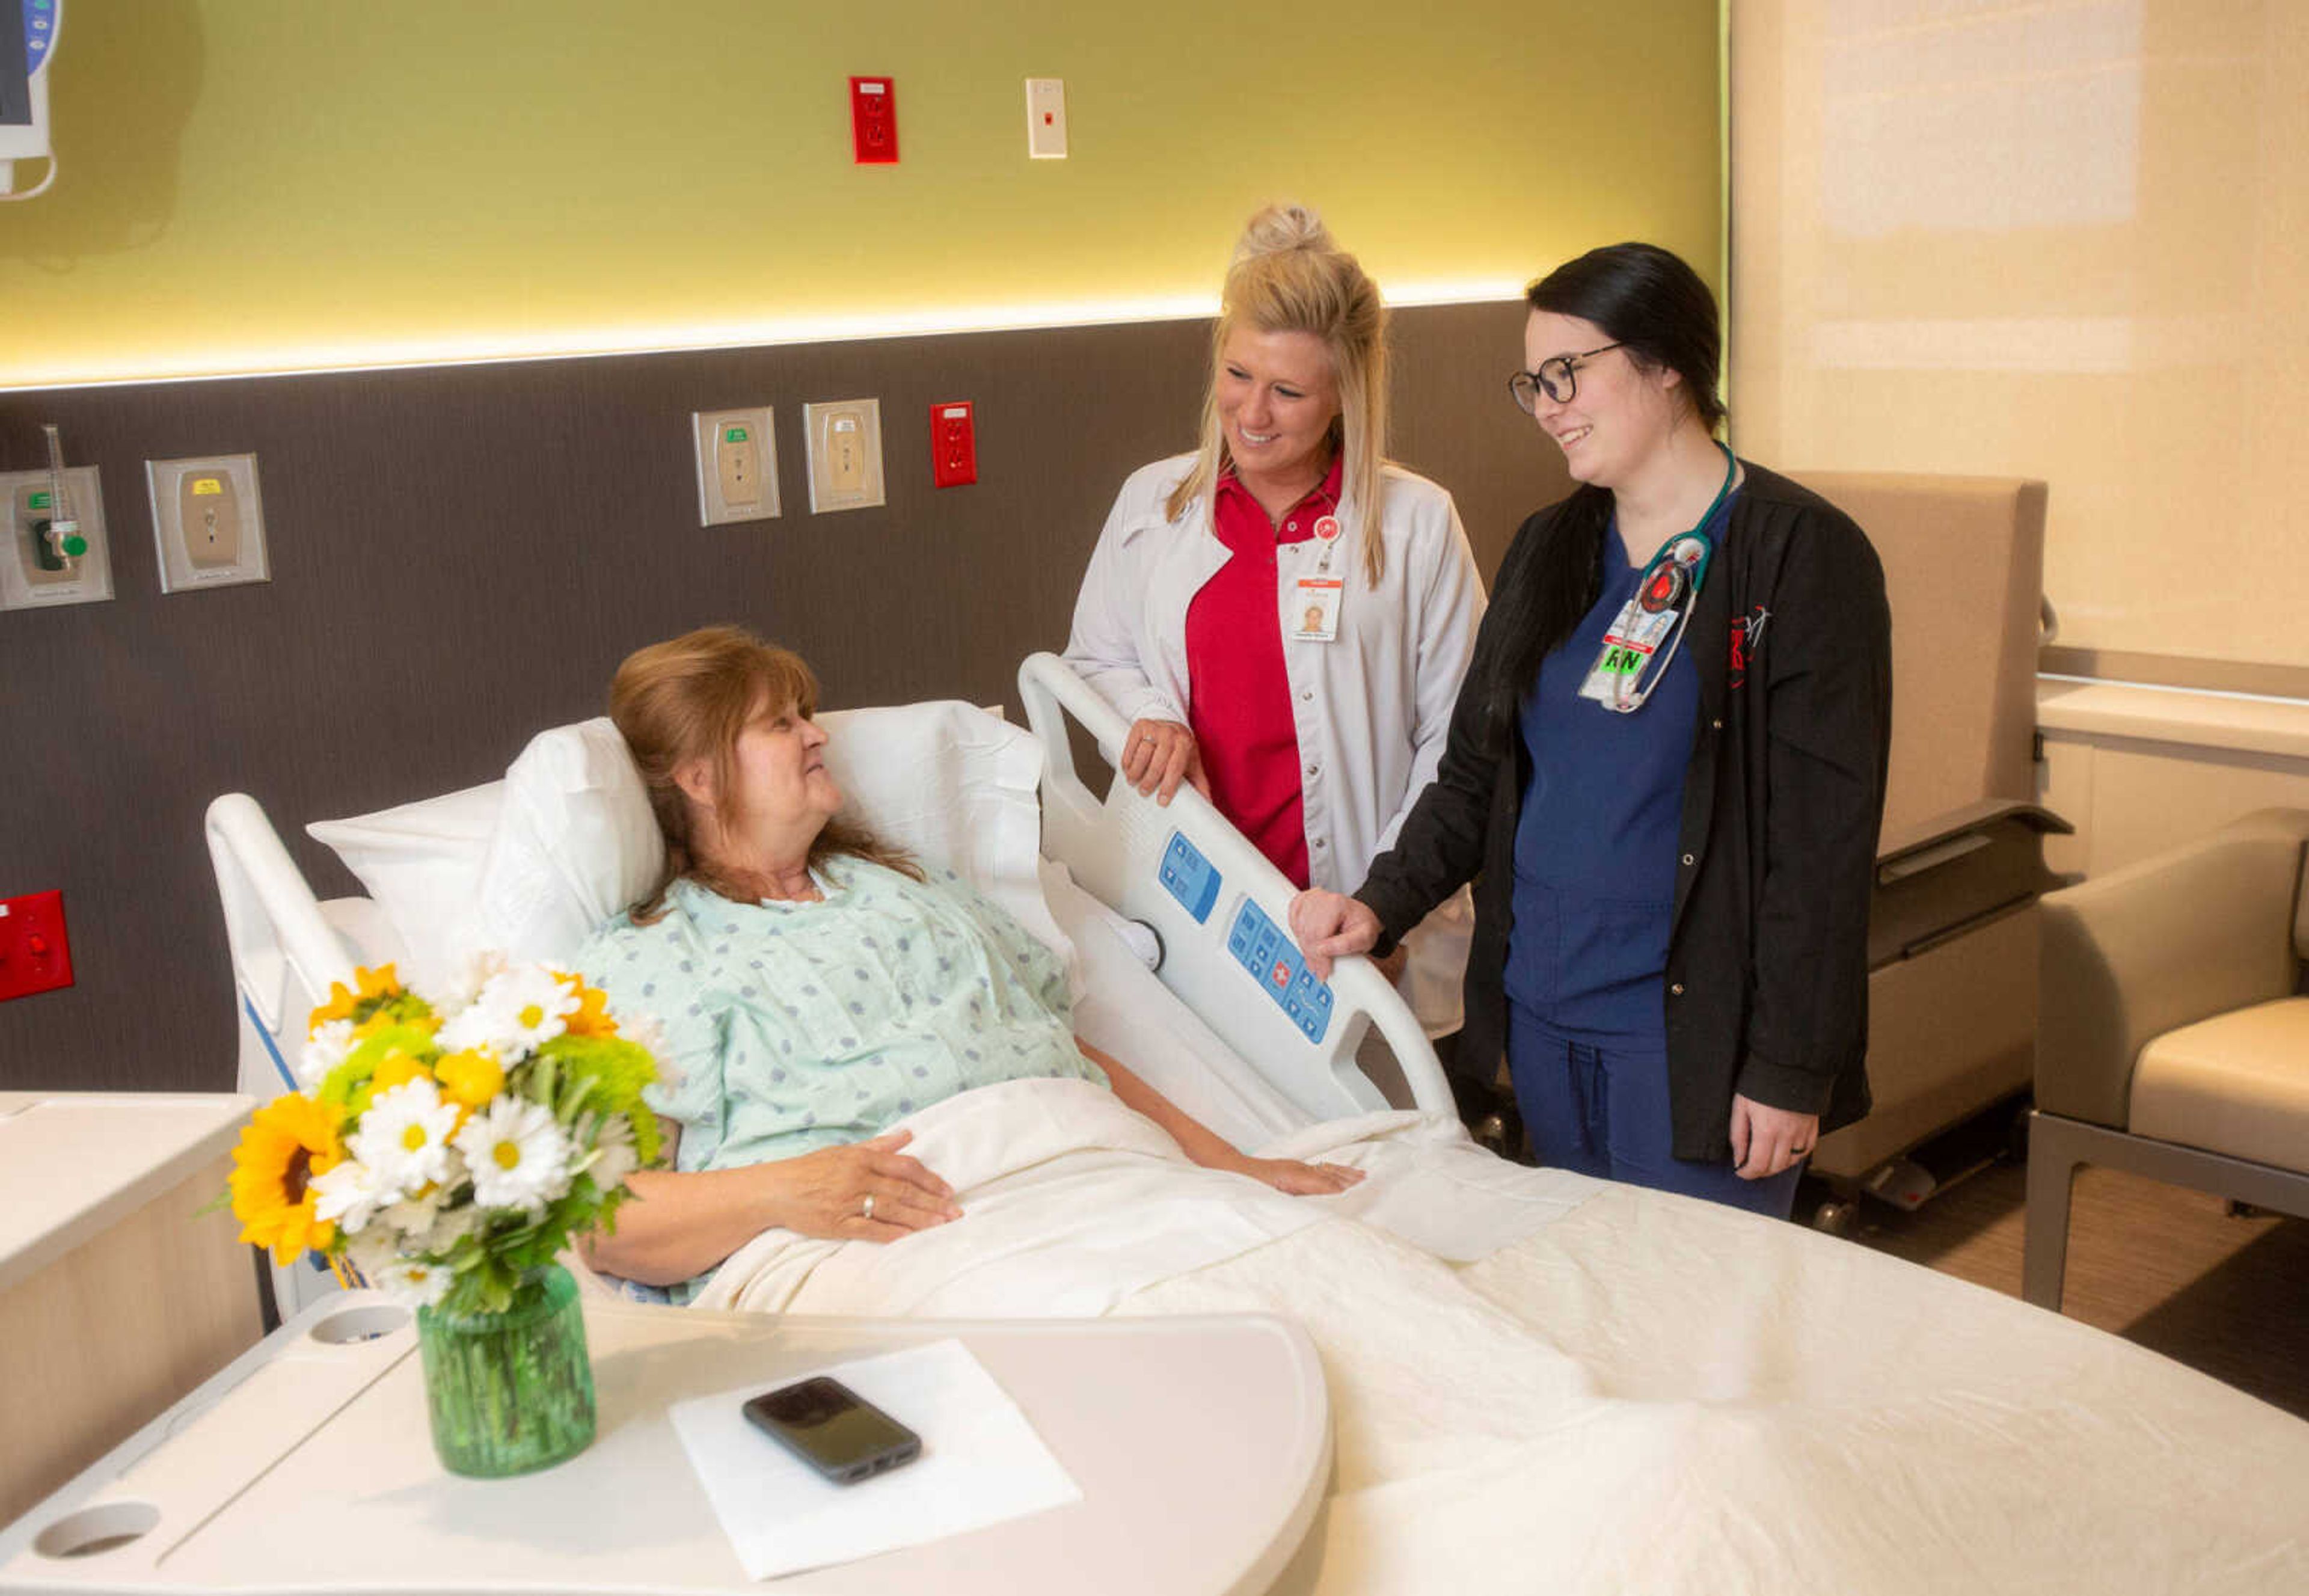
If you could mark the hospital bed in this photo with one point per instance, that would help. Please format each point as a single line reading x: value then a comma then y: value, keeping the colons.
x: 1537, y: 1380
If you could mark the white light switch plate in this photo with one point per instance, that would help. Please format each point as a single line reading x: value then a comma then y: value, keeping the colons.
x: 209, y: 522
x: 845, y: 454
x: 737, y: 466
x: 23, y: 501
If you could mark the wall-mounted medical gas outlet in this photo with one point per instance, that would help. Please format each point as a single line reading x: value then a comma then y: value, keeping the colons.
x: 34, y: 956
x: 209, y: 521
x: 845, y: 454
x: 1046, y: 118
x: 874, y: 121
x: 54, y: 558
x: 737, y: 466
x: 953, y: 445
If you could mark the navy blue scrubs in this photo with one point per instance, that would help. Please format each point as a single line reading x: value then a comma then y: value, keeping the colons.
x: 1594, y: 896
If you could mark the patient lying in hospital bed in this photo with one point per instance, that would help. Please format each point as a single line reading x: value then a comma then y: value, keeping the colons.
x: 813, y: 985
x: 1538, y: 1381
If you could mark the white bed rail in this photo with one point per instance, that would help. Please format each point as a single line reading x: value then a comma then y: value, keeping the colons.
x: 1221, y: 910
x: 285, y: 953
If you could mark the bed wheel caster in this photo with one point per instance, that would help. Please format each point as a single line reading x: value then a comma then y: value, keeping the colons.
x: 1834, y: 1215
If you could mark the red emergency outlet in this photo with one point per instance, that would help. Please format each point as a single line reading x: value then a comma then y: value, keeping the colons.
x: 34, y: 956
x: 874, y: 121
x: 953, y: 445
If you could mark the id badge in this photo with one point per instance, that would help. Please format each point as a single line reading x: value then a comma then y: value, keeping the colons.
x: 1630, y: 642
x: 1316, y: 602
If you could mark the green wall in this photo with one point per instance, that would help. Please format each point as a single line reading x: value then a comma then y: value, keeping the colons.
x: 262, y: 184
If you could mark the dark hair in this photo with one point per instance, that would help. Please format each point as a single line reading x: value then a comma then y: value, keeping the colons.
x: 689, y: 698
x: 1648, y: 301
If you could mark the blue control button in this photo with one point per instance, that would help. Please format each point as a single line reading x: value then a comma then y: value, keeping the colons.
x: 1264, y: 950
x: 1187, y: 876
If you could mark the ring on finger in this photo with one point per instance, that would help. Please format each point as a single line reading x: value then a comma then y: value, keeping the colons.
x: 866, y: 1206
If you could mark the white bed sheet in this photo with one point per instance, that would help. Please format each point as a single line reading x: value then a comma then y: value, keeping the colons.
x: 1623, y: 1389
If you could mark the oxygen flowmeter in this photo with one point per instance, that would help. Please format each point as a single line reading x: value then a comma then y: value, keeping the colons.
x: 28, y: 43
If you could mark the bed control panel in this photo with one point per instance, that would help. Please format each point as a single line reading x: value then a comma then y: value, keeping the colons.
x: 1189, y: 878
x: 1264, y: 950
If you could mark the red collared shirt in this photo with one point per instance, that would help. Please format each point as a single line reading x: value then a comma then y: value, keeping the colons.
x: 1239, y: 694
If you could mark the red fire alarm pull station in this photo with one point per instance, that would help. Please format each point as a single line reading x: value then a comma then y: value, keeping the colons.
x: 953, y: 445
x: 34, y: 956
x: 874, y: 121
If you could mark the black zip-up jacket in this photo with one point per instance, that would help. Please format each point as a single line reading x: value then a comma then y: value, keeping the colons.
x: 1767, y: 980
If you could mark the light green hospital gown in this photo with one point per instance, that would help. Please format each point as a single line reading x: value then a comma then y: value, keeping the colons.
x: 794, y: 1026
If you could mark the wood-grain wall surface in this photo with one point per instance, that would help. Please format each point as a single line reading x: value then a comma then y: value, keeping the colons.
x: 460, y: 556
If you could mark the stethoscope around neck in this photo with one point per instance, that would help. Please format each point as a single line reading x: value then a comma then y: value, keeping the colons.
x: 1672, y: 582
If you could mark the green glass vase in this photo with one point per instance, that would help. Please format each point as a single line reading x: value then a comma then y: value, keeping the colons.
x: 510, y: 1393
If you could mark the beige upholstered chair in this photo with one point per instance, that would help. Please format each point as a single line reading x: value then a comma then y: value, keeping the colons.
x: 1952, y: 936
x: 2174, y: 1039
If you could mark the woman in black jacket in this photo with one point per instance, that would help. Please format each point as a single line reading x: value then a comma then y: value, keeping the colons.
x: 1665, y: 773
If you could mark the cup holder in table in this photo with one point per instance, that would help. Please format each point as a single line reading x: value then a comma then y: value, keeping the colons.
x: 95, y: 1530
x: 365, y: 1323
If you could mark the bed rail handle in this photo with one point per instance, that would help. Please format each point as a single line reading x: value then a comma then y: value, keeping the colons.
x: 271, y: 920
x: 1050, y: 692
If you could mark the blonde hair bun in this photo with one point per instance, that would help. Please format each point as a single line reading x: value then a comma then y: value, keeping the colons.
x: 1278, y: 228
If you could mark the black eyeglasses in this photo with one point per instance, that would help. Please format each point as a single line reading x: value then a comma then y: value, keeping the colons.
x: 1557, y: 378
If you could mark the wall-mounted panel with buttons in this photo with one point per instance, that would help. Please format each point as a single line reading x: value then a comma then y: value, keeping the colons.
x: 737, y: 466
x: 209, y: 521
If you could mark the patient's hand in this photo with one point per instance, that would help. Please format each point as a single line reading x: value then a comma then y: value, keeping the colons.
x: 1329, y: 925
x: 1299, y: 1180
x: 825, y: 1193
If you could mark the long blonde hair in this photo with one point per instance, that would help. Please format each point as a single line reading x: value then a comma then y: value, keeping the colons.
x: 1290, y: 276
x: 688, y: 699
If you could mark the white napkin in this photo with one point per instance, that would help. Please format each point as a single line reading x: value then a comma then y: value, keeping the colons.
x: 982, y: 1462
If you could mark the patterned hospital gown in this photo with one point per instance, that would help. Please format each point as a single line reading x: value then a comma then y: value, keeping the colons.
x: 795, y: 1025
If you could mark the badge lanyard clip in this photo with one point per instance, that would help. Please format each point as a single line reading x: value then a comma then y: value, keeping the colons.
x: 1633, y: 660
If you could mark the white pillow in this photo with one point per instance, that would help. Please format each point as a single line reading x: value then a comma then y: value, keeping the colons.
x: 576, y: 844
x: 419, y: 863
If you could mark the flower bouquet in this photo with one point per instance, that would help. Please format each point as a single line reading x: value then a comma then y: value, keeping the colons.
x: 447, y: 1153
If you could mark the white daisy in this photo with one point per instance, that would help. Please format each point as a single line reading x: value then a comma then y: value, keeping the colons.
x: 530, y: 1004
x: 412, y: 1281
x: 404, y: 1136
x: 465, y: 988
x: 324, y: 1050
x: 348, y: 1193
x: 518, y: 1156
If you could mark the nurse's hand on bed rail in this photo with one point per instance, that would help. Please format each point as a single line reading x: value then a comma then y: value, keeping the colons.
x: 1329, y: 925
x: 1158, y: 755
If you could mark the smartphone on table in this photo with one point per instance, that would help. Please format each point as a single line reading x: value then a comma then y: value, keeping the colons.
x: 834, y: 1429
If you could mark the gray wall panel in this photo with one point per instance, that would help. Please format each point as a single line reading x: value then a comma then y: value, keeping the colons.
x: 460, y: 556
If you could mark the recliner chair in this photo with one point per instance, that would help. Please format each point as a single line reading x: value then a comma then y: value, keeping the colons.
x: 1952, y: 934
x: 2174, y: 1033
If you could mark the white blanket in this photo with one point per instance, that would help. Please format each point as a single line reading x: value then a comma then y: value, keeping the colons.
x: 1624, y: 1391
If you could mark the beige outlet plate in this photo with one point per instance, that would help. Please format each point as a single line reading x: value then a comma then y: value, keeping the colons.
x: 25, y: 582
x: 844, y: 438
x: 737, y: 464
x: 208, y: 520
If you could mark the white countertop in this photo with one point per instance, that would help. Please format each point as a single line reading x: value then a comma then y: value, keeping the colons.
x: 2240, y: 721
x: 74, y: 1163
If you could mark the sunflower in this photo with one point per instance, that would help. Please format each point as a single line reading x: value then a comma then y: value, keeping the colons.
x: 377, y: 986
x: 287, y: 1142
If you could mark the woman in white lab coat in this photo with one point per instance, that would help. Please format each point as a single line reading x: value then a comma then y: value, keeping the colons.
x: 1284, y: 616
